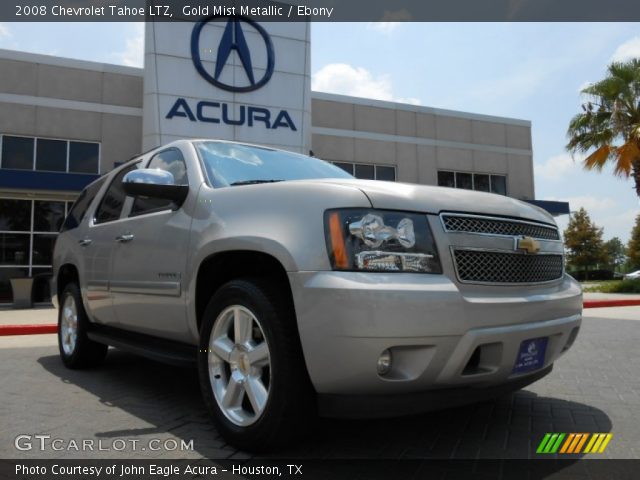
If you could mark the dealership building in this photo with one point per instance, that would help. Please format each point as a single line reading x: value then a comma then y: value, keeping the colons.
x: 64, y: 122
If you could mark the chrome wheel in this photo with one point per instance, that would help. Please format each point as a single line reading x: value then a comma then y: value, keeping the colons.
x: 69, y: 325
x: 239, y: 365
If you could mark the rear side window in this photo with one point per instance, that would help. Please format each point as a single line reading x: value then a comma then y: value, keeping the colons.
x: 113, y: 201
x: 81, y: 205
x: 173, y: 162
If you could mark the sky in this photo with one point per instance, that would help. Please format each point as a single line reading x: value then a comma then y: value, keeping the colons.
x: 531, y: 71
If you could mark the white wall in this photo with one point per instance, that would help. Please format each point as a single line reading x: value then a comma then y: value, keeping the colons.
x: 170, y: 74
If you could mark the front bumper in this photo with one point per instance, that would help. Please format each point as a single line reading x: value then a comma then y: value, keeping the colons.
x: 381, y: 406
x: 347, y: 319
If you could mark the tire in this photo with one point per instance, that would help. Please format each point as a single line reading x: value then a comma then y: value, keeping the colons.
x: 77, y: 351
x: 257, y: 388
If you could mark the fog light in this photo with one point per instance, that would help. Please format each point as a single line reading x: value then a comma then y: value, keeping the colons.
x: 384, y: 363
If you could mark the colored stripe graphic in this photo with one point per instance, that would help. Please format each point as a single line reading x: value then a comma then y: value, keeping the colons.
x: 567, y: 443
x: 555, y: 447
x: 573, y: 442
x: 606, y: 441
x: 591, y: 442
x: 543, y: 443
x: 581, y: 443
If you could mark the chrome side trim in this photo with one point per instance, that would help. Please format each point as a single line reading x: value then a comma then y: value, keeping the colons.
x: 170, y: 289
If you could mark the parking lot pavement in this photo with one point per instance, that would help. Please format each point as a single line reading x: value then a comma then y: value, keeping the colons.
x: 129, y: 401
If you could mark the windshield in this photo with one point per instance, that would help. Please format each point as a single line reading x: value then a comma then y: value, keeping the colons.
x: 229, y: 164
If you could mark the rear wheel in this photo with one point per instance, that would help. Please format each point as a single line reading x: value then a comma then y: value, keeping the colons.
x: 251, y: 368
x: 76, y: 349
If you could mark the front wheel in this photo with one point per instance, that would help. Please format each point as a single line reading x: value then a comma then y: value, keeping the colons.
x: 251, y: 368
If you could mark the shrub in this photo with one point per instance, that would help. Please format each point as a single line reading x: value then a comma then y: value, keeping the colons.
x: 582, y: 275
x: 619, y: 286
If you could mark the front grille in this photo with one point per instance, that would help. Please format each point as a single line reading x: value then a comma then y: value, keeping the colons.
x: 496, y: 226
x: 495, y: 267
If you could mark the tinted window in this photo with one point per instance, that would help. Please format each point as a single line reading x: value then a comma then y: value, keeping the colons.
x: 229, y: 163
x: 83, y: 157
x: 481, y: 182
x: 347, y: 167
x: 17, y: 152
x: 15, y: 215
x: 48, y: 216
x: 81, y: 205
x: 386, y: 173
x: 365, y: 172
x: 446, y: 179
x: 51, y: 155
x: 43, y: 249
x: 14, y: 248
x: 172, y: 162
x: 464, y: 180
x: 113, y: 201
x: 499, y: 184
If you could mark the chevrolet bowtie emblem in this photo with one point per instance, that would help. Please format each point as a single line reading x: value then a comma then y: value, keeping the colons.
x: 528, y: 244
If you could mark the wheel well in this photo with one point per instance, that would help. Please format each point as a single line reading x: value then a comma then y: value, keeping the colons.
x: 68, y: 273
x: 221, y: 268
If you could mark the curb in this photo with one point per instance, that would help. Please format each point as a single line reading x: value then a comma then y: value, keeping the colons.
x: 624, y: 302
x: 38, y: 329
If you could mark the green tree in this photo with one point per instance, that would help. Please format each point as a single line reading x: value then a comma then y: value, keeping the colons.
x: 633, y: 248
x: 609, y: 123
x: 583, y: 241
x: 616, y: 252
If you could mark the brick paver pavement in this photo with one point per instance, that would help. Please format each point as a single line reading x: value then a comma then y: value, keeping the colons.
x: 594, y: 388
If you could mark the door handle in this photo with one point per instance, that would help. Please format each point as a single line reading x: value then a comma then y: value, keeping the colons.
x: 85, y: 243
x: 126, y: 237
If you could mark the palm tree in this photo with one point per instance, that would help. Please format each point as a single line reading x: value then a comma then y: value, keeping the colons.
x: 610, y: 122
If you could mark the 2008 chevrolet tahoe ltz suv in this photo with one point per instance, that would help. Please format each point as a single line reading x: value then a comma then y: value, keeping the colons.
x: 297, y: 289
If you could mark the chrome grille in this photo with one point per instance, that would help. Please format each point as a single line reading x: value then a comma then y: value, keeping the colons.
x: 495, y: 267
x: 497, y: 226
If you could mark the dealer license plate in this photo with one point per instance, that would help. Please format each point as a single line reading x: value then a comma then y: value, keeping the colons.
x: 531, y: 355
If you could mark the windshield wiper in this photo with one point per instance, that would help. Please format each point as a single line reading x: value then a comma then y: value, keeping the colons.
x: 253, y: 182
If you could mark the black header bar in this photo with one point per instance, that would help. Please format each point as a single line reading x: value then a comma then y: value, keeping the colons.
x: 323, y: 10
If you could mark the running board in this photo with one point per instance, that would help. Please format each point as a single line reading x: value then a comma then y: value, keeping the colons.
x: 159, y: 349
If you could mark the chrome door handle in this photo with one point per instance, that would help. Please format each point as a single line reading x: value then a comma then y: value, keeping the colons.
x: 84, y: 243
x: 127, y: 237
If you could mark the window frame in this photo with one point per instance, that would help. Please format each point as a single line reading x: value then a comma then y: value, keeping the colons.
x: 473, y: 181
x: 100, y: 183
x: 375, y: 166
x: 29, y: 266
x: 125, y: 207
x: 35, y: 153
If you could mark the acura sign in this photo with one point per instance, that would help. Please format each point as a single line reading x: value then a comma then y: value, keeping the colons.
x: 233, y: 39
x: 228, y: 78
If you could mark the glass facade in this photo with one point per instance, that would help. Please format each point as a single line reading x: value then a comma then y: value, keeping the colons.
x: 28, y: 230
x: 49, y: 155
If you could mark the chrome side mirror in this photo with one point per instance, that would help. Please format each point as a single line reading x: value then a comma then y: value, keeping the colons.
x: 153, y: 183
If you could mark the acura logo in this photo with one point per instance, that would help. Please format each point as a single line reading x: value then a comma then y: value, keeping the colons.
x: 233, y: 39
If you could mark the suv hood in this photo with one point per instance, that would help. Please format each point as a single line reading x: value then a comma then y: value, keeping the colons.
x: 429, y: 199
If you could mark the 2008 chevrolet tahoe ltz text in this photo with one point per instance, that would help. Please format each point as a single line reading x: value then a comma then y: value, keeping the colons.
x: 298, y: 290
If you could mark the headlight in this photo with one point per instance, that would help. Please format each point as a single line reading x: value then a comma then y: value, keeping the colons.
x: 380, y: 241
